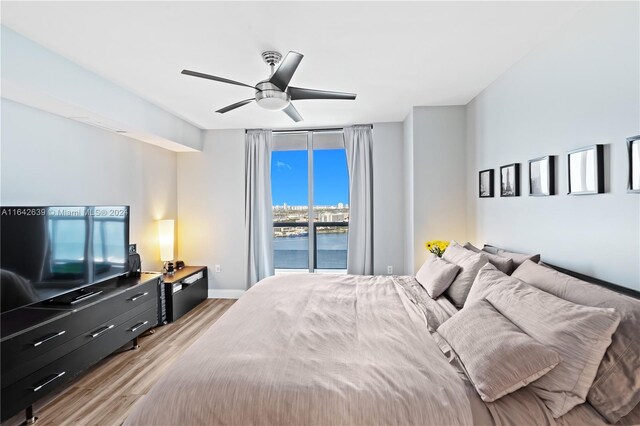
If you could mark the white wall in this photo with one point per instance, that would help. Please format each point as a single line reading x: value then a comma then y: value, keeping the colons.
x: 407, y: 178
x: 435, y: 177
x: 211, y: 208
x: 388, y: 198
x: 36, y: 76
x: 211, y: 205
x: 581, y: 87
x: 439, y: 174
x: 49, y: 160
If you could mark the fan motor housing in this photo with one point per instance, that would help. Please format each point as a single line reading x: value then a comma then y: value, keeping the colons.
x: 269, y: 96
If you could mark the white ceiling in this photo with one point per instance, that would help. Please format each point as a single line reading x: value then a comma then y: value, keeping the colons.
x: 394, y: 55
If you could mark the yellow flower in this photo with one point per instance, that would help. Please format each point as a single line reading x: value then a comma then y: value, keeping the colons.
x: 437, y: 247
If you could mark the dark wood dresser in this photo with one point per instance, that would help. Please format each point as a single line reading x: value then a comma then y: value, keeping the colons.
x: 184, y: 290
x: 47, y: 344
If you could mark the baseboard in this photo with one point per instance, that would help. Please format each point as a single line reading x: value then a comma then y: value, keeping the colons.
x: 215, y: 293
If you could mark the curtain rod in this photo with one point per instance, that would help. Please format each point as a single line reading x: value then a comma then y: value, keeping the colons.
x: 330, y: 129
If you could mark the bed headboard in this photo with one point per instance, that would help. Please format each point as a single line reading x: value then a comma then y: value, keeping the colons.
x: 615, y: 287
x: 611, y: 286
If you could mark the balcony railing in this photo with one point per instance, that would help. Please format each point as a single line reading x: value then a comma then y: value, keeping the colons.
x: 291, y: 248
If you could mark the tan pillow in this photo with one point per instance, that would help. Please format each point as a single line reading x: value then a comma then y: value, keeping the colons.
x: 469, y: 263
x: 503, y: 264
x: 498, y: 357
x: 579, y: 334
x: 518, y: 258
x: 616, y: 388
x: 436, y: 275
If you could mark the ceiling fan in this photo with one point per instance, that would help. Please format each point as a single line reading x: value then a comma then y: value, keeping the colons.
x: 274, y: 93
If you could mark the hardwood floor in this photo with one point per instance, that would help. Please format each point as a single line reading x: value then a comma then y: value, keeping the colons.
x: 105, y: 394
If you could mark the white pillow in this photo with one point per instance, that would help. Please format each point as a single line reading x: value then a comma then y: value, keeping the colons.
x: 518, y: 258
x: 469, y: 263
x: 436, y: 275
x: 504, y: 264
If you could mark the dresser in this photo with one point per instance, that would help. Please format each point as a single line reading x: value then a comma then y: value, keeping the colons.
x: 47, y: 344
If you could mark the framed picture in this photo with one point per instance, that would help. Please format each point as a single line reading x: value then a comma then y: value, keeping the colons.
x: 510, y: 180
x: 633, y: 147
x: 542, y: 173
x: 485, y: 189
x: 586, y: 170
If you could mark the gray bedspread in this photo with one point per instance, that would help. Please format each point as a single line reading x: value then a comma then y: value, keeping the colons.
x: 312, y: 350
x: 305, y: 349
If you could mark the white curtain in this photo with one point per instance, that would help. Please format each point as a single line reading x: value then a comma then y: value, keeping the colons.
x: 258, y: 215
x: 357, y: 143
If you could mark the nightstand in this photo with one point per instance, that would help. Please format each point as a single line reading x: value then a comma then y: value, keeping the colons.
x: 184, y: 290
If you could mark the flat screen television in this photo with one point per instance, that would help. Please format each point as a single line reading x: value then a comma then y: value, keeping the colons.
x: 49, y: 251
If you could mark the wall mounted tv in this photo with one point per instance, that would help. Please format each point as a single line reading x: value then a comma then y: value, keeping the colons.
x: 49, y: 251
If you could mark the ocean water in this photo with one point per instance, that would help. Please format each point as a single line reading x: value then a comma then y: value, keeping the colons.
x: 293, y: 252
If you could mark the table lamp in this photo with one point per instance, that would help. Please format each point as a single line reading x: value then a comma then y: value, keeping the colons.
x: 165, y: 234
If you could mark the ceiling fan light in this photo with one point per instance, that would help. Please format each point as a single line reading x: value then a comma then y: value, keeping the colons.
x: 273, y: 100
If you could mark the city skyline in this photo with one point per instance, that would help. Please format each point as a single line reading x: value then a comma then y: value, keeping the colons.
x: 286, y: 206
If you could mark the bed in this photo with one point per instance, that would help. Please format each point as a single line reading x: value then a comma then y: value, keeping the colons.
x: 333, y: 350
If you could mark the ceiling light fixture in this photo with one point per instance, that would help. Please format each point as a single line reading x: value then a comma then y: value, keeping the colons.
x: 275, y: 93
x: 271, y: 97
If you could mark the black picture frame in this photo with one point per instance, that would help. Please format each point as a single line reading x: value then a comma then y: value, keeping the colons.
x: 483, y: 191
x: 510, y: 180
x: 542, y: 173
x: 633, y: 150
x: 578, y: 180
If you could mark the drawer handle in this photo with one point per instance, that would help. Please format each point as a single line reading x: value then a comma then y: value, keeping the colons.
x: 46, y: 339
x: 138, y: 325
x: 103, y: 330
x: 138, y: 296
x: 55, y: 377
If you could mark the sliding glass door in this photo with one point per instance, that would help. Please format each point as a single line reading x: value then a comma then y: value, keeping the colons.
x: 310, y: 191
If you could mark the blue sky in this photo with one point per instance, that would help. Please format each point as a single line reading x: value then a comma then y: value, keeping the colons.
x: 289, y: 177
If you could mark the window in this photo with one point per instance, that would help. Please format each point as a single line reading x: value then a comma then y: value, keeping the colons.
x: 309, y: 179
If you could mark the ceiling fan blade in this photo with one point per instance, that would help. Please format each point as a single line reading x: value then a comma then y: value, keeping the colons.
x: 299, y: 93
x: 234, y: 106
x: 287, y: 67
x: 213, y: 77
x: 292, y: 112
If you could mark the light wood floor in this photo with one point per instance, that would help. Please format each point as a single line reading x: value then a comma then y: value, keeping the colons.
x: 105, y: 394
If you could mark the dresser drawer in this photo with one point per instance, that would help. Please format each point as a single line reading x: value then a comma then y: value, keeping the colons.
x: 29, y: 389
x: 188, y: 297
x: 36, y: 343
x: 137, y: 325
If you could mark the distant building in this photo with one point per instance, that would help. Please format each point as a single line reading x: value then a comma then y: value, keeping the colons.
x: 333, y: 217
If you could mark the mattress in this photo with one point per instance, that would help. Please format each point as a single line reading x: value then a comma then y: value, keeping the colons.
x: 303, y: 349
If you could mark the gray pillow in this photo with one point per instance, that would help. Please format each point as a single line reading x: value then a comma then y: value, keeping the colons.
x: 436, y: 275
x: 579, y: 334
x: 616, y: 388
x: 498, y: 357
x: 469, y: 263
x: 490, y: 249
x: 518, y: 258
x: 504, y: 264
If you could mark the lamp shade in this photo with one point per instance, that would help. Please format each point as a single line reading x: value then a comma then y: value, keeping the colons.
x: 165, y: 234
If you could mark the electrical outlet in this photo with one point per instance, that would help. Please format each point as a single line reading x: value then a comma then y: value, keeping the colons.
x: 389, y: 269
x: 218, y: 268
